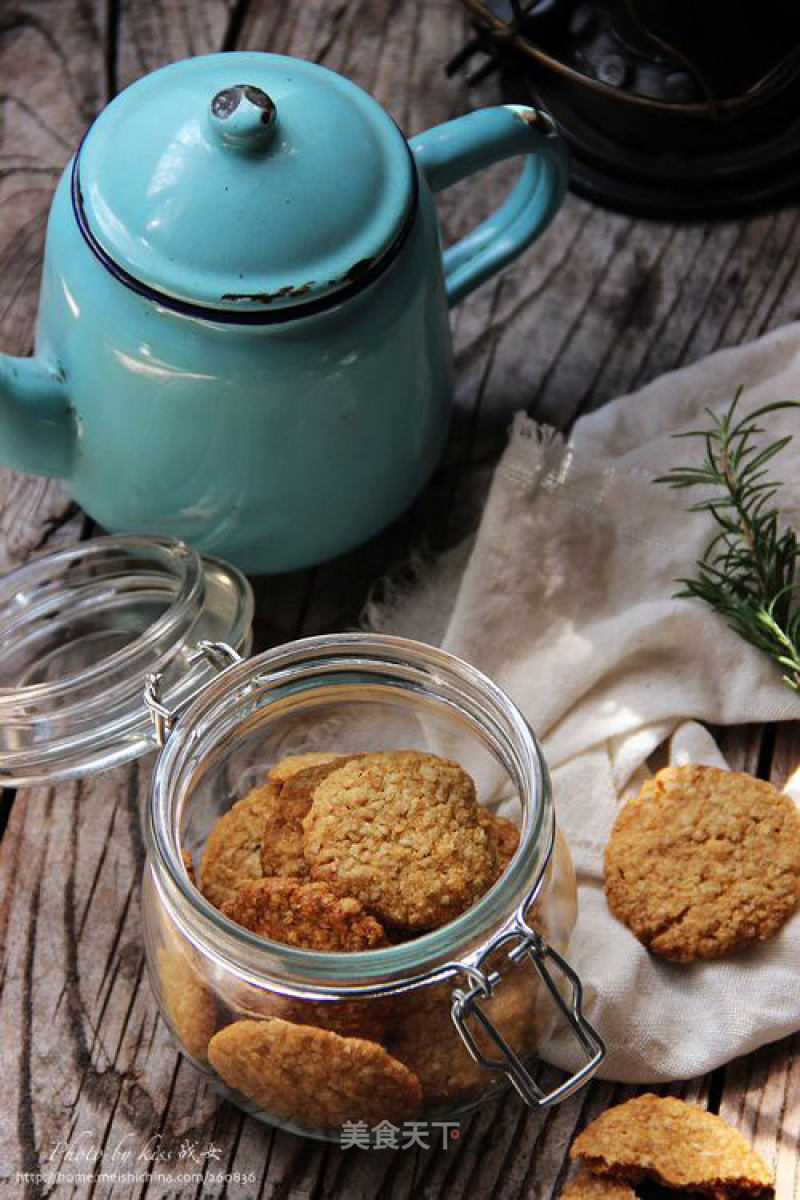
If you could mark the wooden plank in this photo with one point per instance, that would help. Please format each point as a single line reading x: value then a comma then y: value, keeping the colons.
x: 52, y: 65
x: 760, y: 1094
x: 147, y: 36
x: 54, y: 73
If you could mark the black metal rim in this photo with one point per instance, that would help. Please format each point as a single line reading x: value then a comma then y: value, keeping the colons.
x: 508, y: 39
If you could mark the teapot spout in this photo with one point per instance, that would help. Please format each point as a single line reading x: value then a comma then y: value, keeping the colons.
x: 37, y: 427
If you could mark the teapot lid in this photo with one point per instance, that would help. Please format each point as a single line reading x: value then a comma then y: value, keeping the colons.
x: 245, y: 183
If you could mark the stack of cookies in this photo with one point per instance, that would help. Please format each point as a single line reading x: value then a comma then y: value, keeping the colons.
x: 344, y: 853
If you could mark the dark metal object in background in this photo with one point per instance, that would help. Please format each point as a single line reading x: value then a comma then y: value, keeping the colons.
x: 672, y: 108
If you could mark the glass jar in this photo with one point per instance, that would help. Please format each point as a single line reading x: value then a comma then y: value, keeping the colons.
x: 424, y: 1029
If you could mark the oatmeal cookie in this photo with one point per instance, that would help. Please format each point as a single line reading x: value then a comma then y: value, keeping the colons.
x: 586, y: 1186
x: 351, y: 1018
x: 313, y: 915
x: 282, y: 843
x: 502, y: 835
x: 189, y: 865
x: 703, y: 862
x: 312, y: 1077
x: 676, y: 1144
x: 289, y: 766
x: 190, y: 1005
x: 427, y: 1041
x: 304, y: 914
x: 399, y: 830
x: 232, y: 853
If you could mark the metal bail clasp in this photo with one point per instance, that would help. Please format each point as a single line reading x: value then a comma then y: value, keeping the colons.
x: 529, y: 946
x: 218, y: 654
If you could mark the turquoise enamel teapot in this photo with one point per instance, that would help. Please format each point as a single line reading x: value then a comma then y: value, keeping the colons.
x: 243, y: 335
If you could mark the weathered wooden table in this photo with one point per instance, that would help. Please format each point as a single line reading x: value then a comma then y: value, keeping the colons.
x: 604, y: 304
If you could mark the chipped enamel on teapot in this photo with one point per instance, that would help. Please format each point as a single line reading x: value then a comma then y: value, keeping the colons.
x: 243, y: 335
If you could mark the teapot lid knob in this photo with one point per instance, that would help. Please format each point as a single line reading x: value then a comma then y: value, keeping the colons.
x: 243, y: 116
x: 202, y: 183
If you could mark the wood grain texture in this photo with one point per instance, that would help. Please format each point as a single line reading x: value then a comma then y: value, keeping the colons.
x: 760, y: 1093
x: 604, y: 304
x: 52, y: 64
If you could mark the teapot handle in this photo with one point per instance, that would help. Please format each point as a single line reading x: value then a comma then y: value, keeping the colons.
x: 459, y: 148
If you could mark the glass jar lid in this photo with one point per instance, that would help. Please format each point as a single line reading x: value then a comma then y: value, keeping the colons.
x: 80, y: 630
x: 244, y: 182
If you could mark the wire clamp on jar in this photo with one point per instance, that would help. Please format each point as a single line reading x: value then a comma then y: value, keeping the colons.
x: 219, y: 654
x: 528, y: 946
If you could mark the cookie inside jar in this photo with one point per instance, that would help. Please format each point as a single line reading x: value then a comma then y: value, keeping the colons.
x: 350, y: 847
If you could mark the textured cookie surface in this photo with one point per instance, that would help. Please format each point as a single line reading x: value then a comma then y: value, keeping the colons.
x: 189, y: 865
x: 400, y: 831
x: 502, y: 835
x: 703, y: 862
x: 306, y: 914
x: 313, y: 1077
x: 351, y: 1018
x: 586, y: 1186
x: 189, y: 1004
x: 678, y: 1145
x: 282, y: 840
x: 232, y: 854
x: 289, y: 766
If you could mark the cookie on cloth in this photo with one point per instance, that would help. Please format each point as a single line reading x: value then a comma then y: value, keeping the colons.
x: 399, y: 830
x: 232, y: 855
x: 309, y: 914
x: 703, y: 862
x: 585, y: 1185
x: 312, y: 1077
x: 676, y: 1144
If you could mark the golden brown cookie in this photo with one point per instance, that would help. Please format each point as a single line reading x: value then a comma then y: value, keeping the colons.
x: 703, y: 862
x: 586, y: 1186
x: 678, y: 1145
x: 312, y: 1077
x: 289, y: 766
x: 282, y: 845
x: 351, y: 1018
x: 189, y: 865
x: 313, y: 915
x: 503, y: 837
x: 308, y: 914
x: 189, y: 1003
x: 427, y: 1041
x: 232, y: 855
x: 399, y: 830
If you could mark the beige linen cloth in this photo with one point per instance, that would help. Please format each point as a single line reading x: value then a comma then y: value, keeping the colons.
x: 566, y: 598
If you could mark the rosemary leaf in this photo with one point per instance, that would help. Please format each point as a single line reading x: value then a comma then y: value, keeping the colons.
x: 748, y: 570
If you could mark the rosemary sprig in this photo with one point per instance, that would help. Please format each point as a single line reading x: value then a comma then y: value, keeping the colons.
x: 747, y: 572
